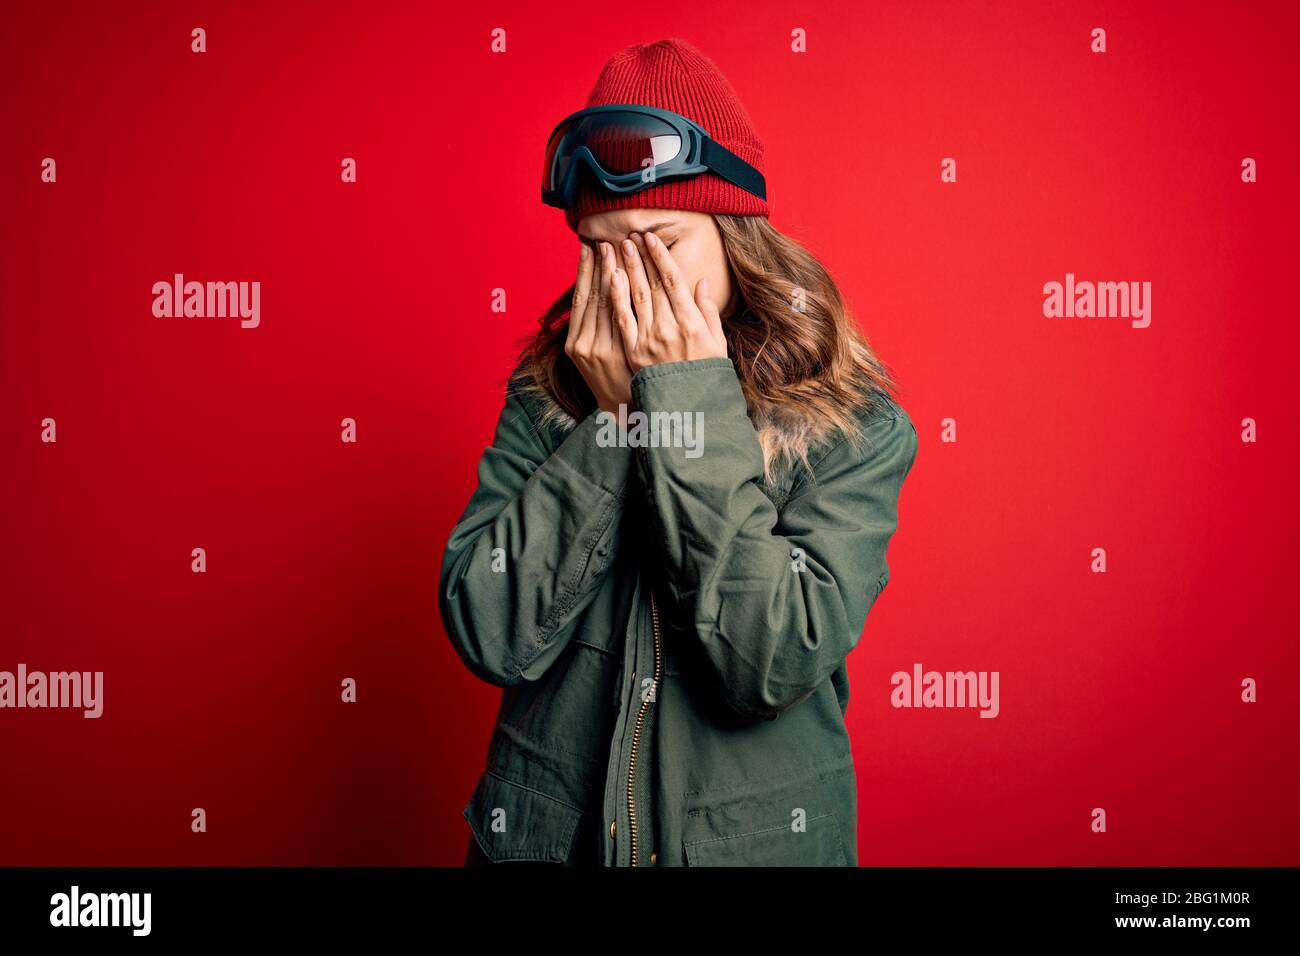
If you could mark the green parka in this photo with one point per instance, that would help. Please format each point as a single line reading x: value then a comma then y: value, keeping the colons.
x: 670, y: 632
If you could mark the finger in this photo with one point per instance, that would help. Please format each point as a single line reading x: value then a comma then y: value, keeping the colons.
x: 606, y: 334
x: 662, y: 308
x: 674, y: 283
x: 709, y: 309
x: 638, y: 286
x: 623, y: 316
x: 599, y: 294
x: 581, y: 293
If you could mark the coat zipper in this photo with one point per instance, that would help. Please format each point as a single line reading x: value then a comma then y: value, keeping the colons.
x: 636, y: 732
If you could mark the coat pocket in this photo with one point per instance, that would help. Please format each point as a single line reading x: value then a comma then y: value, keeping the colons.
x: 514, y: 822
x: 820, y: 844
x: 604, y: 621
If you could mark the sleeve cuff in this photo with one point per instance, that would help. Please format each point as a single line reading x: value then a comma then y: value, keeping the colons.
x: 699, y: 385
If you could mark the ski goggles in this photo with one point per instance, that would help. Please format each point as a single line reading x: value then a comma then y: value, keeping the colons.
x: 629, y: 147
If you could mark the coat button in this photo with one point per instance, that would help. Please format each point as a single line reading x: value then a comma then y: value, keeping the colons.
x: 654, y: 858
x: 611, y: 829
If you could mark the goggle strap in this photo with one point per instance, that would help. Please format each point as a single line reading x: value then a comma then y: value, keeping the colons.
x: 731, y: 167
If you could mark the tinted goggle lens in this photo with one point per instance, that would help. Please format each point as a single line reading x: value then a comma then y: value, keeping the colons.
x: 621, y: 142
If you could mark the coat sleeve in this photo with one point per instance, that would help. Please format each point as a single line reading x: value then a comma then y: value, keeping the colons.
x: 527, y: 553
x: 775, y: 599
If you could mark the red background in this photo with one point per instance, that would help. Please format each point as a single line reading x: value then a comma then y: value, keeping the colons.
x: 1118, y: 690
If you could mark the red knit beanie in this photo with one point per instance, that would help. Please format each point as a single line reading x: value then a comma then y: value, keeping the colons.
x: 674, y: 75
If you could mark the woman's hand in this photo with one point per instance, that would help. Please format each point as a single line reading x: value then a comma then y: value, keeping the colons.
x: 658, y: 317
x: 593, y: 343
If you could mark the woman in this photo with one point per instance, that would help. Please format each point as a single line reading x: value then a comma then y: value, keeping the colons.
x: 668, y: 607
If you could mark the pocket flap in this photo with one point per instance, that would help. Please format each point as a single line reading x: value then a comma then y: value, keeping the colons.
x: 818, y: 845
x: 514, y: 822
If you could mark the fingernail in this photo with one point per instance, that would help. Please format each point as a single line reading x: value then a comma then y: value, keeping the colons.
x: 582, y: 252
x: 650, y: 239
x: 629, y: 247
